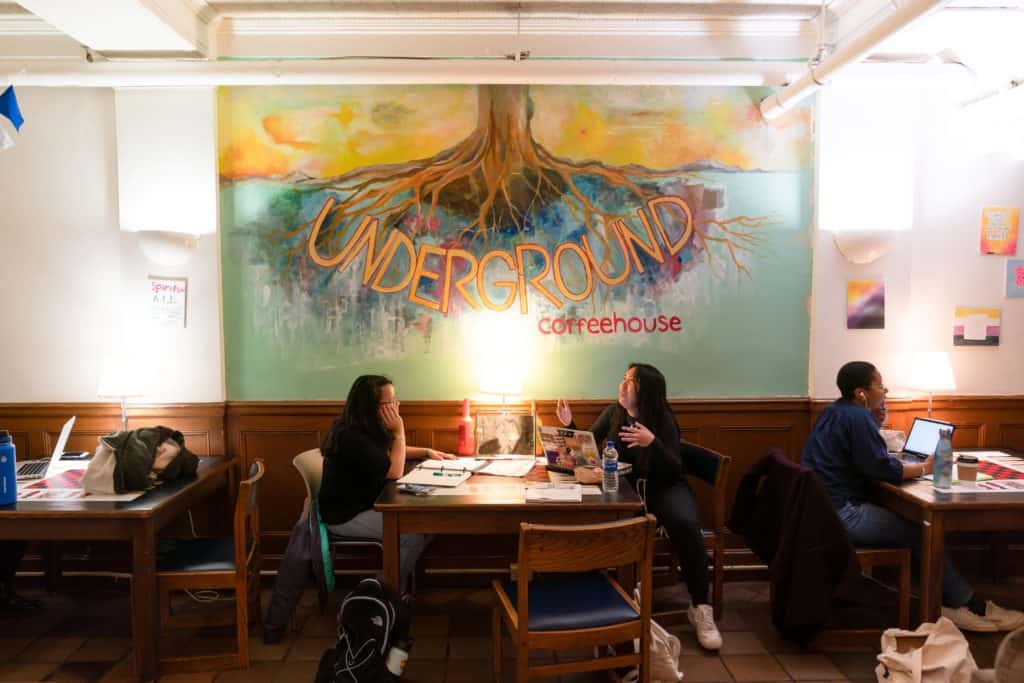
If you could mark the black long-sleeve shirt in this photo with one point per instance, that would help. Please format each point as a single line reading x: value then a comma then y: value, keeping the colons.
x: 661, y: 462
x: 355, y: 472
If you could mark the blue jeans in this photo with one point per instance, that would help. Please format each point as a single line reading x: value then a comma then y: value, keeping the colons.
x: 370, y: 524
x: 871, y: 526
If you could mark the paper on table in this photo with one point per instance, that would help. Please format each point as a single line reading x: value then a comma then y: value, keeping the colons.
x: 508, y: 468
x: 431, y: 477
x: 457, y: 465
x: 573, y: 493
x: 976, y: 327
x: 591, y: 490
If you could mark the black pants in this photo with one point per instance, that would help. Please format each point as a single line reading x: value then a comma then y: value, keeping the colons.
x: 676, y: 510
x: 10, y: 557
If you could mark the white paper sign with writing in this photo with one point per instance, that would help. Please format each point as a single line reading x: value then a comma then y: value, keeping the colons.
x: 167, y: 301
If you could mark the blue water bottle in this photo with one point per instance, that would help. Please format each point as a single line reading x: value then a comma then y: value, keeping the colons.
x: 8, y: 470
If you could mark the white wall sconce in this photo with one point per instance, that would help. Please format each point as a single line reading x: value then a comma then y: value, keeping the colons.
x: 863, y: 246
x: 167, y: 248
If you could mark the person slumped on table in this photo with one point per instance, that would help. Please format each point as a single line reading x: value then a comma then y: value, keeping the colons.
x: 363, y: 449
x: 848, y: 453
x: 646, y: 434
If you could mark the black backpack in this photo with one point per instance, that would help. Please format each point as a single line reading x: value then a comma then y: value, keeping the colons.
x: 370, y: 619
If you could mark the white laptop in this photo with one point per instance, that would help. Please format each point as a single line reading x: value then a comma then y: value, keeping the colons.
x: 41, y: 469
x: 923, y: 438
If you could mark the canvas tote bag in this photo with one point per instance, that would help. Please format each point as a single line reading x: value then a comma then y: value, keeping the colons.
x: 934, y: 653
x: 665, y: 650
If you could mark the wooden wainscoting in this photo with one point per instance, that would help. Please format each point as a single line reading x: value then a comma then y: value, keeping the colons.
x: 278, y: 431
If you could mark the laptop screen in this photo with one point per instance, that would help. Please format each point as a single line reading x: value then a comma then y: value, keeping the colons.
x: 924, y: 436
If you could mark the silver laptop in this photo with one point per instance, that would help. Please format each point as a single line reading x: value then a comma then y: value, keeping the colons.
x: 923, y: 438
x: 41, y: 469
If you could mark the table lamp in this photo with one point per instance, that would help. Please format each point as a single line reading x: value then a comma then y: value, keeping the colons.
x: 502, y: 379
x: 121, y: 377
x: 931, y: 371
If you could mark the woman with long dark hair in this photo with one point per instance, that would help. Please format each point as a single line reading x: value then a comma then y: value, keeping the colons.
x: 363, y: 449
x: 645, y: 434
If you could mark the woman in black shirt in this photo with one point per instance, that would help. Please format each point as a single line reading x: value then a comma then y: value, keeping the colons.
x: 364, y: 448
x: 646, y: 435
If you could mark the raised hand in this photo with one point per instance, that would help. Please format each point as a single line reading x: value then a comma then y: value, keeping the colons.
x: 636, y: 435
x: 564, y: 412
x: 391, y: 419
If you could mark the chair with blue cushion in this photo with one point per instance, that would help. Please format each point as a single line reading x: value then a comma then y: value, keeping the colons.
x: 310, y: 465
x: 219, y: 564
x: 564, y: 599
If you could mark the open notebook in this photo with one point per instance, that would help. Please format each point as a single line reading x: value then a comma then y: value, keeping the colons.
x: 441, y: 473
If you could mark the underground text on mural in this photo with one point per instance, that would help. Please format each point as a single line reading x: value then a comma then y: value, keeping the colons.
x: 432, y: 232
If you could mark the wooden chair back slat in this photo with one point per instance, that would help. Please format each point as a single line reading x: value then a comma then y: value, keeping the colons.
x: 544, y: 547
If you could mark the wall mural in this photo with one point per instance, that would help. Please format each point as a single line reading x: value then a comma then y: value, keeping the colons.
x: 464, y: 238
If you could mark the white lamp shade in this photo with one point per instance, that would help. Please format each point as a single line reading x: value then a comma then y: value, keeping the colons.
x: 120, y: 376
x: 931, y: 371
x: 167, y: 248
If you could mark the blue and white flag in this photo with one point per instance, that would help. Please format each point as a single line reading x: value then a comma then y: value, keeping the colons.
x: 9, y: 107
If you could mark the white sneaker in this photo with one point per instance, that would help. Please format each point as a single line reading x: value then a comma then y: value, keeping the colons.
x: 1005, y: 619
x: 703, y: 619
x: 966, y: 620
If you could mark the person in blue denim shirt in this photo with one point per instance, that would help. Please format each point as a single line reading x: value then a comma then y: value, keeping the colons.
x: 846, y: 450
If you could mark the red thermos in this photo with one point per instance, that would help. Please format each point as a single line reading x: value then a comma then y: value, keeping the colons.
x: 466, y: 446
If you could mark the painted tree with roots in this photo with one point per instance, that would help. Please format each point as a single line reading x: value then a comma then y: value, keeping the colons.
x: 498, y: 178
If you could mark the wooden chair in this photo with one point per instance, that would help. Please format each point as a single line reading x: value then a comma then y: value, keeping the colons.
x: 581, y: 606
x: 310, y: 465
x: 705, y: 468
x: 222, y: 564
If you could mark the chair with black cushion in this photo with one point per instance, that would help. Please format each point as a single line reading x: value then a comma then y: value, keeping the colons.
x: 564, y: 599
x: 218, y: 564
x: 710, y: 469
x: 310, y: 465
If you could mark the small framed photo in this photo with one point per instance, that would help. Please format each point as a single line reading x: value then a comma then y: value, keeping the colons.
x: 505, y: 432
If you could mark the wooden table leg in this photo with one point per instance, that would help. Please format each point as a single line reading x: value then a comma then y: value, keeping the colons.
x: 391, y: 544
x: 144, y: 599
x: 932, y: 551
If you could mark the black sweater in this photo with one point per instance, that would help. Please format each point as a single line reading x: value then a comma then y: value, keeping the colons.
x: 660, y: 462
x: 355, y: 472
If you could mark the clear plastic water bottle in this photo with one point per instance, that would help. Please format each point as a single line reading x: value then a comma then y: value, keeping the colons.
x: 8, y: 470
x: 942, y: 477
x: 610, y: 466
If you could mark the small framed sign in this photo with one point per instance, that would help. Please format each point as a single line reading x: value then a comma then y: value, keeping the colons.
x: 168, y: 301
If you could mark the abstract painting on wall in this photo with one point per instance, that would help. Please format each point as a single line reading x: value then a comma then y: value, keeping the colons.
x: 999, y: 231
x: 431, y: 232
x: 865, y: 305
x: 1015, y: 277
x: 976, y: 326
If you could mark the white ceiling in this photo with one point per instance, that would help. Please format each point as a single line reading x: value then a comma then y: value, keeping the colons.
x: 42, y: 41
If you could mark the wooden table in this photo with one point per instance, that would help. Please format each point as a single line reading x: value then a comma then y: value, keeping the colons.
x: 938, y: 513
x: 495, y: 506
x: 137, y: 522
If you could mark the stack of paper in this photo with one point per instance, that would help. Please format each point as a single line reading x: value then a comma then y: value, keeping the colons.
x: 508, y: 468
x: 571, y: 493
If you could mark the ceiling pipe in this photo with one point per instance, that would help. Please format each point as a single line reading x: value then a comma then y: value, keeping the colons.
x: 851, y: 52
x: 198, y: 73
x: 203, y: 73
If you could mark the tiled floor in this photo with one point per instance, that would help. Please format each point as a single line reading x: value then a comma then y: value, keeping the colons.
x: 85, y: 637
